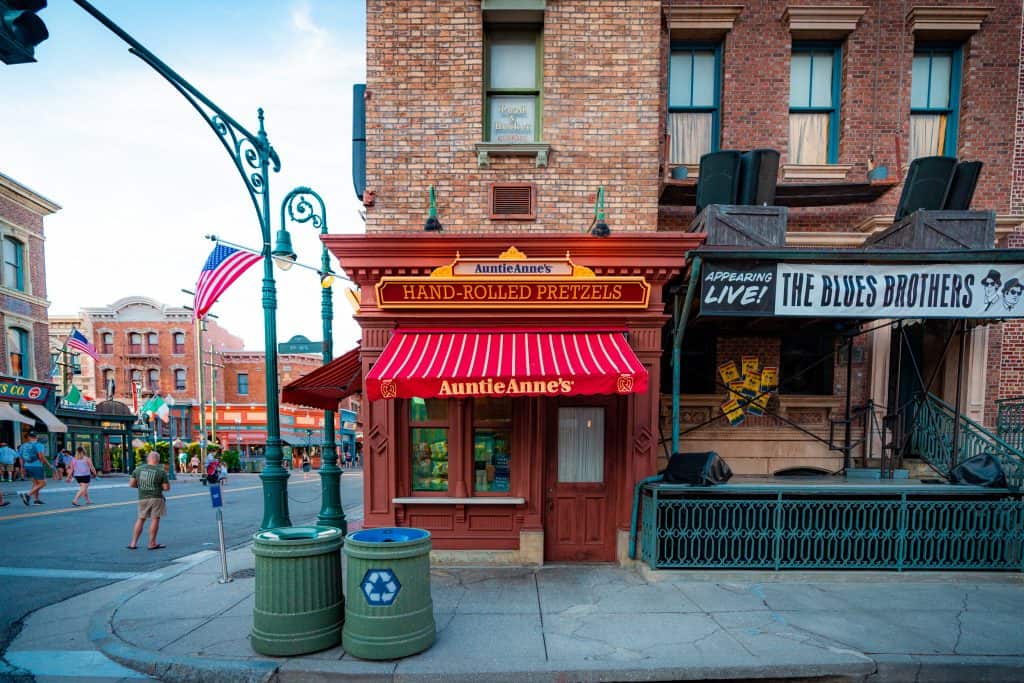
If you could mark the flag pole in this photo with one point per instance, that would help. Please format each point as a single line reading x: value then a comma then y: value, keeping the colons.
x: 199, y: 390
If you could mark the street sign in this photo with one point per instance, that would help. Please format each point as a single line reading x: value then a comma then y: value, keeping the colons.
x: 381, y: 587
x: 215, y: 497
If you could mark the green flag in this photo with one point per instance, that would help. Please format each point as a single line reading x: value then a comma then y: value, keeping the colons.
x: 157, y: 406
x: 74, y: 396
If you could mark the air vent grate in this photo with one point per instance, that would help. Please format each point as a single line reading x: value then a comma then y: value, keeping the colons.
x: 513, y: 201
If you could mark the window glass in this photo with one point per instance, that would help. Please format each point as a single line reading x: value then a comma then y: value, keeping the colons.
x: 154, y: 380
x: 13, y: 274
x: 107, y: 342
x: 243, y: 383
x: 17, y: 351
x: 938, y: 95
x: 152, y: 340
x: 136, y: 375
x: 800, y: 80
x: 919, y: 82
x: 428, y: 419
x: 513, y: 62
x: 179, y: 380
x: 703, y: 78
x: 821, y: 79
x: 428, y: 410
x: 492, y: 438
x: 680, y: 79
x: 512, y: 118
x: 581, y: 445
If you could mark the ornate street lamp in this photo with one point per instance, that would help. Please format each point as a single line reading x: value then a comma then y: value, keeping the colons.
x: 298, y: 207
x: 253, y: 156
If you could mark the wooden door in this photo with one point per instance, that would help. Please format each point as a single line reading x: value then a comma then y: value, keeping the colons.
x: 579, y: 481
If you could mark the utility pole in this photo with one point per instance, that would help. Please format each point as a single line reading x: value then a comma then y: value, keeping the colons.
x: 200, y: 327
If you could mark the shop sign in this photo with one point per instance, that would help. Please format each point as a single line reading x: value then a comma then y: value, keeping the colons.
x: 864, y: 290
x: 84, y: 405
x: 22, y: 391
x: 513, y: 281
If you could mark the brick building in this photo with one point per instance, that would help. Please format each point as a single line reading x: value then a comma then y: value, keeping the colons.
x: 516, y: 112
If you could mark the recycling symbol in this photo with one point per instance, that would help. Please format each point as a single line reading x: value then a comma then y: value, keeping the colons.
x: 380, y: 586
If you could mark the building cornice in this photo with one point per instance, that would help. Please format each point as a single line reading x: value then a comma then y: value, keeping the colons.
x: 947, y: 21
x: 822, y: 21
x: 27, y: 197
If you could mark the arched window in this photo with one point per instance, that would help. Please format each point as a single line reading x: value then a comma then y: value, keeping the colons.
x: 135, y: 376
x: 134, y: 343
x: 108, y: 382
x: 179, y: 342
x: 107, y: 342
x: 14, y: 264
x: 179, y: 379
x: 154, y: 380
x: 17, y: 352
x: 152, y: 342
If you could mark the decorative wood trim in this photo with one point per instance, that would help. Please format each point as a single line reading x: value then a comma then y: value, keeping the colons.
x: 484, y: 151
x: 825, y: 239
x: 702, y: 20
x: 1005, y: 224
x: 959, y: 20
x: 822, y: 21
x: 438, y: 500
x: 816, y: 171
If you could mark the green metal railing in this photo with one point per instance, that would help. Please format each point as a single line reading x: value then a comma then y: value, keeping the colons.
x: 931, y: 439
x: 898, y: 532
x: 1010, y: 421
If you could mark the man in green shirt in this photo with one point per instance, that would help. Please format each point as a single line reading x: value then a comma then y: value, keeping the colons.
x: 151, y: 481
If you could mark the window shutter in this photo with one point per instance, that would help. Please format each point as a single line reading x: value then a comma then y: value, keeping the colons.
x: 513, y: 201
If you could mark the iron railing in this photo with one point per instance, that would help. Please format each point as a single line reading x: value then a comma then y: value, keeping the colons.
x: 1010, y: 421
x: 895, y: 533
x: 931, y: 439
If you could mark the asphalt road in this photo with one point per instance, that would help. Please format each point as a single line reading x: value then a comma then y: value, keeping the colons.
x: 52, y: 552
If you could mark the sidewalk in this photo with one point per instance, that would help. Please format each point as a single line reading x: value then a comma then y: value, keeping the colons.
x: 572, y: 623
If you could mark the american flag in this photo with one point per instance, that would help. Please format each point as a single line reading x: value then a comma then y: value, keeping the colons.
x: 78, y: 342
x: 223, y: 267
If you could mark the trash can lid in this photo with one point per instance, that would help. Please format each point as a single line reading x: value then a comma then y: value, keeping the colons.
x: 297, y: 533
x: 389, y: 535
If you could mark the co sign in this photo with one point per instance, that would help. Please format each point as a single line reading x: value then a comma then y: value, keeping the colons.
x: 380, y: 586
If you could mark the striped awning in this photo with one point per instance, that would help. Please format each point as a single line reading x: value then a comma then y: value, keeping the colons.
x: 466, y: 363
x: 326, y: 386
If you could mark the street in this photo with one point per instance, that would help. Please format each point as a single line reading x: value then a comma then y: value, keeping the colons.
x: 54, y: 551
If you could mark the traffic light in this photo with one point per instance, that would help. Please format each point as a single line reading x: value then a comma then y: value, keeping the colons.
x: 20, y: 30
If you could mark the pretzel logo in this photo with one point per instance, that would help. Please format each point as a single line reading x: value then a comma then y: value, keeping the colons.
x: 388, y: 389
x: 624, y: 384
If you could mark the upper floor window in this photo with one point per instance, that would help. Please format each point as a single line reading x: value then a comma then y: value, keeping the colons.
x: 134, y: 342
x: 18, y: 352
x: 814, y: 77
x: 108, y: 382
x: 154, y: 380
x: 179, y: 342
x: 693, y: 102
x: 934, y: 101
x: 179, y: 379
x: 135, y: 376
x: 152, y: 342
x: 513, y: 84
x: 106, y: 342
x: 14, y: 264
x: 243, y: 383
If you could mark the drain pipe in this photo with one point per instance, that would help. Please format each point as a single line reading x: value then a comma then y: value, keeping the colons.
x: 677, y: 345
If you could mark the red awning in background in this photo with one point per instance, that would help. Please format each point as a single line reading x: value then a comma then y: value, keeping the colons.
x: 493, y: 363
x: 325, y: 387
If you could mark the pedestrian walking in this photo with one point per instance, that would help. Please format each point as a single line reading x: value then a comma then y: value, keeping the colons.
x: 62, y: 465
x: 83, y: 471
x: 194, y: 465
x: 33, y: 455
x: 151, y: 481
x: 7, y: 458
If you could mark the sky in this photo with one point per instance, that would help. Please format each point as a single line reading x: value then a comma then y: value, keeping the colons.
x: 141, y: 178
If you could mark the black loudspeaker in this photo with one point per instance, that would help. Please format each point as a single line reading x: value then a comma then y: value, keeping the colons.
x: 926, y: 186
x: 981, y: 470
x: 961, y: 190
x: 719, y: 178
x: 696, y: 469
x: 759, y: 173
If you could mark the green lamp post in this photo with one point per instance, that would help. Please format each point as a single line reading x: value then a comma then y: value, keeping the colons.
x: 253, y: 156
x: 298, y: 207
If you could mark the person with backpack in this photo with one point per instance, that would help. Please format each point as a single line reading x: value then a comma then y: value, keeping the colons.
x: 33, y: 455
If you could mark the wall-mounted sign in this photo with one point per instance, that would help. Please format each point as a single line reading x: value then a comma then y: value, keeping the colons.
x: 512, y: 119
x: 513, y: 281
x: 864, y: 290
x: 22, y: 390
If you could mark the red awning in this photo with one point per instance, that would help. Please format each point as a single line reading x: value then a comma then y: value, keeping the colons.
x: 325, y: 387
x: 523, y: 363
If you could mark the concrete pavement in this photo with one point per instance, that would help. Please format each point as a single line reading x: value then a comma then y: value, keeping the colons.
x: 560, y: 623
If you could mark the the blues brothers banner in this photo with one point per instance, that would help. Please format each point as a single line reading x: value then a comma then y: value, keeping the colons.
x: 863, y: 290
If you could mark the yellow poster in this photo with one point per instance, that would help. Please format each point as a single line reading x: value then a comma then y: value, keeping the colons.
x: 728, y: 372
x: 751, y: 366
x: 733, y: 412
x: 752, y: 382
x: 769, y: 378
x: 736, y: 389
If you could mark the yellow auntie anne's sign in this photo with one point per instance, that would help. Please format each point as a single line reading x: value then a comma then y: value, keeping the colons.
x: 513, y: 281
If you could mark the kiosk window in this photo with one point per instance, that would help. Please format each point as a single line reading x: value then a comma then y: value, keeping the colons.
x: 492, y: 436
x: 428, y: 421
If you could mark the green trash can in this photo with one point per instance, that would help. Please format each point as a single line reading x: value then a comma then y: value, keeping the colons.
x: 389, y: 613
x: 299, y: 605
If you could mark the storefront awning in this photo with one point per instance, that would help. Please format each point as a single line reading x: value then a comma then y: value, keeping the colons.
x: 53, y: 424
x: 9, y: 413
x: 325, y: 387
x: 495, y: 363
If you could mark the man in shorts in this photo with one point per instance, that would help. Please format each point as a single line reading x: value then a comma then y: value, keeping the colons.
x: 151, y: 481
x: 33, y: 458
x: 7, y: 457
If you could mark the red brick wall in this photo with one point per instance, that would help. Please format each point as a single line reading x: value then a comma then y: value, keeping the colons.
x: 602, y: 70
x: 289, y: 367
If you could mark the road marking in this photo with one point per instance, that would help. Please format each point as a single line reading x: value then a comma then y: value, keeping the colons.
x: 85, y: 508
x: 67, y: 573
x: 70, y: 664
